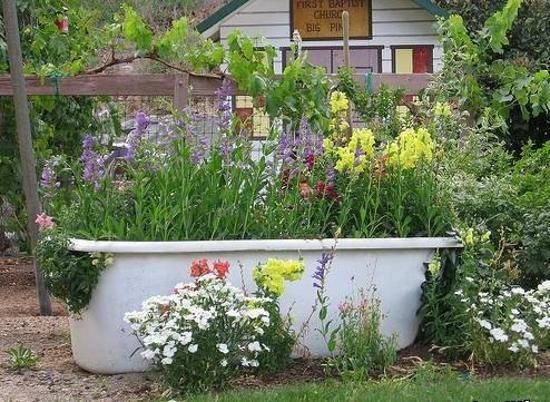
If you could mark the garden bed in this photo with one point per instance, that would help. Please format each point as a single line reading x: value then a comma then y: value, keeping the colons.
x: 58, y: 378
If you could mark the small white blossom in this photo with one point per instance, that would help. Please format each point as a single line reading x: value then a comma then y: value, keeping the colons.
x: 255, y: 347
x: 518, y: 291
x: 222, y: 348
x: 484, y: 324
x: 166, y: 361
x: 148, y: 354
x: 534, y: 349
x: 223, y: 363
x: 514, y: 348
x: 193, y: 348
x: 499, y: 335
x: 519, y: 326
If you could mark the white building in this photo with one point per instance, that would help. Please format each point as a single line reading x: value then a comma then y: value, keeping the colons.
x: 388, y: 36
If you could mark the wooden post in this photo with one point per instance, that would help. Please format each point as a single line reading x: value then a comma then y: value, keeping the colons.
x: 28, y: 165
x: 345, y: 26
x: 181, y: 92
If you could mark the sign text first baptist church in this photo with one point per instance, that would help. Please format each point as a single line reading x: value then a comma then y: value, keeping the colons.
x: 322, y: 19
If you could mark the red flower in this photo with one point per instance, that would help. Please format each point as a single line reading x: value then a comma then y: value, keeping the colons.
x: 310, y: 161
x: 199, y: 268
x: 325, y: 190
x: 221, y: 268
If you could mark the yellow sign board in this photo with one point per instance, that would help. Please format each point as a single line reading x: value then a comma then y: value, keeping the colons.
x: 322, y: 19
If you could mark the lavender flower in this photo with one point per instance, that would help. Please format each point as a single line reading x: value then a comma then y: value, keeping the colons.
x: 142, y: 122
x: 200, y: 150
x: 286, y: 148
x: 321, y: 270
x: 331, y: 174
x: 224, y: 105
x: 48, y: 177
x: 92, y: 161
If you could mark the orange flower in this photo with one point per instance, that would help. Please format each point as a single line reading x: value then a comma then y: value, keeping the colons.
x: 221, y: 268
x: 199, y: 268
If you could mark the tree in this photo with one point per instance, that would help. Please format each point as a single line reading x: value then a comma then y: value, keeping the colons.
x: 30, y: 184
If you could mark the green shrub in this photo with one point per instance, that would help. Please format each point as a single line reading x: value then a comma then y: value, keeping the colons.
x: 69, y: 275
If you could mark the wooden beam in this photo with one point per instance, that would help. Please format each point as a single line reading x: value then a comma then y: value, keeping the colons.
x: 411, y: 83
x: 97, y: 85
x: 164, y: 84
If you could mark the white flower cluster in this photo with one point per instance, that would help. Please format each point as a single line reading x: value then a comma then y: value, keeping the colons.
x: 514, y: 318
x: 209, y: 319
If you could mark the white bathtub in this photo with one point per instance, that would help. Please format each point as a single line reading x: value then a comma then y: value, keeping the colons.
x: 102, y: 342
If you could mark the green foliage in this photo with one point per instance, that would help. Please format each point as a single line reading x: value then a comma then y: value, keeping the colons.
x: 478, y: 75
x: 279, y: 338
x: 135, y: 30
x: 21, y: 358
x: 69, y: 275
x: 300, y: 93
x: 498, y: 25
x: 527, y: 37
x: 362, y: 348
x: 378, y: 110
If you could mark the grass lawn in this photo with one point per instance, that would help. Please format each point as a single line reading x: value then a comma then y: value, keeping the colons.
x: 497, y: 390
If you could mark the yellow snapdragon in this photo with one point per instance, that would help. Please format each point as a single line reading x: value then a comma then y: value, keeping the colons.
x: 348, y: 159
x: 338, y: 102
x: 274, y: 272
x: 411, y: 147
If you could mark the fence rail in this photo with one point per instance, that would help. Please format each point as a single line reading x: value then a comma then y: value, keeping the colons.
x: 171, y: 85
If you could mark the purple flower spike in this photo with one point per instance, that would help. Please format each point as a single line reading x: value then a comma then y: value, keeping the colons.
x: 322, y: 268
x: 224, y: 105
x: 48, y: 178
x: 142, y: 121
x: 92, y: 161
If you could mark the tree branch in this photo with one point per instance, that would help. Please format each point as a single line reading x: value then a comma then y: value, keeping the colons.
x: 114, y: 61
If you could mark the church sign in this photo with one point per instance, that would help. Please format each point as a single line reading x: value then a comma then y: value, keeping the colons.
x: 322, y: 19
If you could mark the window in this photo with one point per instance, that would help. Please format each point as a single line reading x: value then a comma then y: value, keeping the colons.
x: 363, y: 58
x: 414, y: 59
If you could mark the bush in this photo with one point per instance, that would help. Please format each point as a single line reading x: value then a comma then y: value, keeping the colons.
x: 205, y: 333
x: 470, y: 308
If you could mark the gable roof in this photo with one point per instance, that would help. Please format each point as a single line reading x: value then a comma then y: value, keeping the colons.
x: 234, y: 5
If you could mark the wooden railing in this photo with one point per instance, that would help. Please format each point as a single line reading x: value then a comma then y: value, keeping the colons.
x: 178, y: 86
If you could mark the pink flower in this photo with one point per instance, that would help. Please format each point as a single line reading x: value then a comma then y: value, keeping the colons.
x: 44, y: 222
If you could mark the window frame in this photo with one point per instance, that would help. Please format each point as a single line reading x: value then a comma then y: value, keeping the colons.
x: 431, y: 48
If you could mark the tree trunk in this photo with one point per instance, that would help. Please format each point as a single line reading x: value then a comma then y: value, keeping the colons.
x: 28, y: 165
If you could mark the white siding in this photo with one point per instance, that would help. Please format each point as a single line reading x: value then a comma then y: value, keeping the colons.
x: 395, y: 22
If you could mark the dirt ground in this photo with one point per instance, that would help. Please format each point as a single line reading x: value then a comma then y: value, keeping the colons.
x: 58, y: 378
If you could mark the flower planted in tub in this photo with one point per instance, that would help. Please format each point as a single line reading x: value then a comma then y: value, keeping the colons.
x: 205, y: 333
x: 69, y: 275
